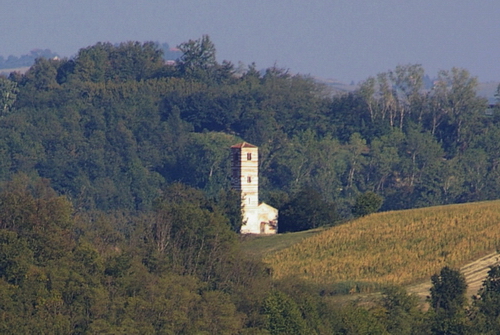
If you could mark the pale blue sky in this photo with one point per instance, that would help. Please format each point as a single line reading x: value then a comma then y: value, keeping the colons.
x: 344, y: 40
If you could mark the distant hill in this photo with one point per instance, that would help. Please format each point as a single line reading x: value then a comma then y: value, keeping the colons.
x: 337, y: 86
x: 486, y: 89
x: 6, y: 72
x: 14, y: 62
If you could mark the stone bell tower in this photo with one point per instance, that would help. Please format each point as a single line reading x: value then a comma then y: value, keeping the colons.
x: 245, y: 178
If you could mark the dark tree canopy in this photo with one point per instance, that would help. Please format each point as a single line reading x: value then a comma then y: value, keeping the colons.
x: 306, y: 210
x: 448, y: 302
x: 367, y: 203
x: 197, y: 55
x: 486, y: 304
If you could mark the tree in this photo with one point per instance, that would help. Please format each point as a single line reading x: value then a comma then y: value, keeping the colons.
x: 135, y: 61
x: 189, y: 235
x: 456, y: 90
x: 15, y: 257
x: 129, y: 61
x: 448, y: 302
x: 357, y: 320
x: 38, y: 215
x: 394, y: 95
x: 8, y: 95
x: 355, y: 156
x: 486, y: 304
x: 403, y: 315
x: 202, y: 162
x: 306, y: 210
x: 407, y: 84
x: 230, y: 203
x: 367, y: 203
x: 474, y: 164
x: 383, y: 160
x: 198, y: 56
x: 283, y: 315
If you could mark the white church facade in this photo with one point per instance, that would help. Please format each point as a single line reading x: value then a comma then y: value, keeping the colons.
x: 258, y: 218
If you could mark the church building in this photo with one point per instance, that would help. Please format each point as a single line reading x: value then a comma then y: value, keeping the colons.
x: 258, y: 218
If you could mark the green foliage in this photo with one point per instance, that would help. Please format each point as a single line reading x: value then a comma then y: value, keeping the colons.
x: 128, y: 249
x: 448, y: 290
x: 358, y: 320
x: 188, y: 235
x: 106, y: 62
x: 306, y: 210
x: 448, y: 302
x: 38, y: 216
x: 402, y: 312
x: 197, y: 54
x: 198, y: 62
x: 283, y: 315
x: 15, y: 257
x: 74, y: 288
x: 113, y: 125
x: 8, y: 95
x: 367, y: 203
x: 229, y: 202
x: 486, y: 304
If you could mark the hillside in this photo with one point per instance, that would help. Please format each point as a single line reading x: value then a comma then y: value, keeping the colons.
x: 258, y: 246
x: 399, y: 247
x: 474, y: 273
x: 116, y: 214
x: 114, y: 125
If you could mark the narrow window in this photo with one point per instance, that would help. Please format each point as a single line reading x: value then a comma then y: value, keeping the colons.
x: 249, y: 156
x: 249, y: 179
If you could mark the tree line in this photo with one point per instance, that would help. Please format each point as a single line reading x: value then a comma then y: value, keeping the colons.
x: 116, y: 210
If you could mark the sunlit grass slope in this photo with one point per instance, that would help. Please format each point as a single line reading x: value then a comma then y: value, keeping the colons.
x: 398, y: 247
x: 260, y: 246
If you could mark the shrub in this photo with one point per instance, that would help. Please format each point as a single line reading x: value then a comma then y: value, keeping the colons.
x: 367, y: 203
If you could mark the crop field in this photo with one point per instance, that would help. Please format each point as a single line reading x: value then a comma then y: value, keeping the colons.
x: 401, y: 247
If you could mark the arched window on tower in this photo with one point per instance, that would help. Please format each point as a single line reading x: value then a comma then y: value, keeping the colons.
x: 249, y: 156
x: 249, y: 179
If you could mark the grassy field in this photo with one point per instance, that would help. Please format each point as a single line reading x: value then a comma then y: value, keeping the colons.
x: 259, y: 246
x: 401, y: 247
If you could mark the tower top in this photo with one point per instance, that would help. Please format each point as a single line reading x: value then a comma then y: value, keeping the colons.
x: 243, y: 145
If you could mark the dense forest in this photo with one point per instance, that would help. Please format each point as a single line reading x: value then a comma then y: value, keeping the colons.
x: 116, y: 215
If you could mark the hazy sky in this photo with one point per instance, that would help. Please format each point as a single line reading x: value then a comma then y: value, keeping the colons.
x: 339, y: 39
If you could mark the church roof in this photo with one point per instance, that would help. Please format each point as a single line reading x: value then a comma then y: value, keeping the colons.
x: 263, y: 204
x: 244, y: 145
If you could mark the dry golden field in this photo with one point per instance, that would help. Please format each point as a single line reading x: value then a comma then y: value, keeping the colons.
x: 401, y: 247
